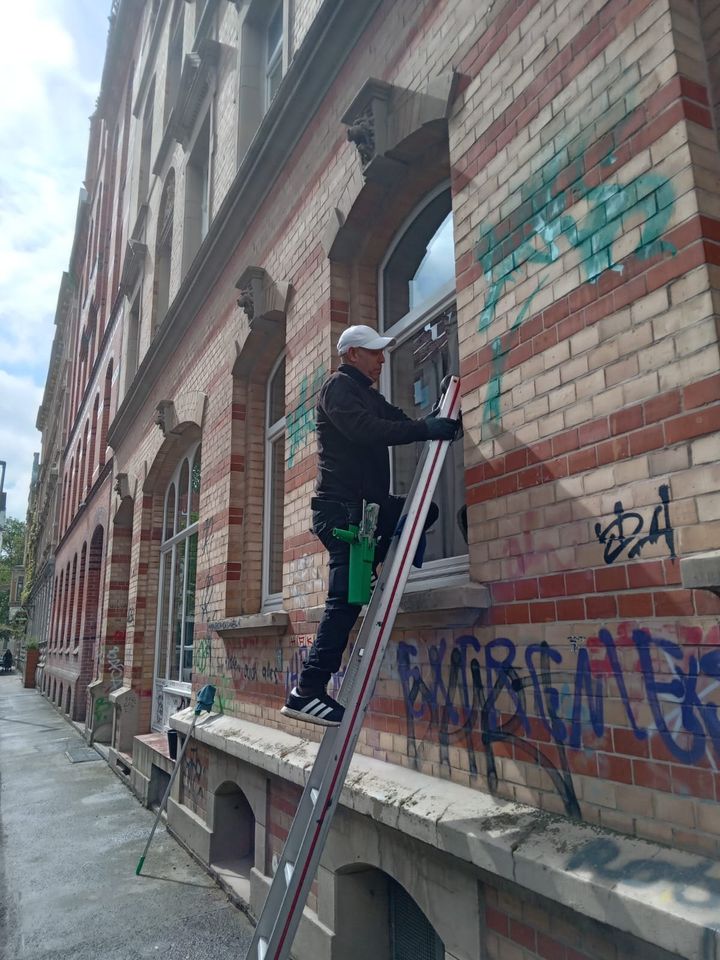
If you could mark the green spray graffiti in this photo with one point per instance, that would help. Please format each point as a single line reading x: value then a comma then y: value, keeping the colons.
x: 540, y: 228
x: 301, y: 422
x: 202, y: 655
x: 103, y: 712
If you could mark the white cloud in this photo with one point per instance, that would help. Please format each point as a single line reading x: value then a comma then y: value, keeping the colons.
x: 19, y: 402
x: 46, y: 100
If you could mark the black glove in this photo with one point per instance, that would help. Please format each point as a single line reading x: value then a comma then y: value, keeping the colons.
x: 441, y: 428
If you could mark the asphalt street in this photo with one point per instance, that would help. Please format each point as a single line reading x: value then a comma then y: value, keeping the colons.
x: 71, y: 835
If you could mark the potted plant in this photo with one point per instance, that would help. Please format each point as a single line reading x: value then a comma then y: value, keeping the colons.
x: 32, y: 655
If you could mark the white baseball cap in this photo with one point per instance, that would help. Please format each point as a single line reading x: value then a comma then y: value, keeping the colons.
x: 362, y: 336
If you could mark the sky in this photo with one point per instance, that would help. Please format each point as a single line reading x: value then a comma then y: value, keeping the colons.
x: 50, y: 74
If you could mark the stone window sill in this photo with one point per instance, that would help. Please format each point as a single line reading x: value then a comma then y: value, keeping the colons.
x: 701, y: 571
x: 274, y: 623
x: 459, y: 605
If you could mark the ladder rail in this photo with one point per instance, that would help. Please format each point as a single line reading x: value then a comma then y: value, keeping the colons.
x: 290, y: 886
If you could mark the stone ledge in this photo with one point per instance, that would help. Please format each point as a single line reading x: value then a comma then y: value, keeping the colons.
x: 701, y: 571
x: 666, y: 897
x: 458, y: 605
x: 255, y: 624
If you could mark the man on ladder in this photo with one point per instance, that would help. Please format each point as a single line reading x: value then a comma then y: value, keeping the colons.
x: 355, y: 426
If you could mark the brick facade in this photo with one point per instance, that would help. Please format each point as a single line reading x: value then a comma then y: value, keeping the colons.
x: 579, y: 141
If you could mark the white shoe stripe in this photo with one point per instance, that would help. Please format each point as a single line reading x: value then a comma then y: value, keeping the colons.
x: 325, y: 712
x: 319, y: 710
x: 309, y: 707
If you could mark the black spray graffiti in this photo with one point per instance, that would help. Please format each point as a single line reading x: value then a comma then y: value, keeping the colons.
x: 456, y: 714
x: 625, y: 530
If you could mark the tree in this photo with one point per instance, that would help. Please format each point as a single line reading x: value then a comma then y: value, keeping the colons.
x: 13, y: 544
x: 11, y: 555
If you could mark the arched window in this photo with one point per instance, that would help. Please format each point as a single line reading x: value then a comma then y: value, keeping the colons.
x: 274, y: 499
x: 176, y: 600
x: 417, y: 307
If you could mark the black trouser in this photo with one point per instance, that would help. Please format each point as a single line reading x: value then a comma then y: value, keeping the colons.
x: 325, y: 655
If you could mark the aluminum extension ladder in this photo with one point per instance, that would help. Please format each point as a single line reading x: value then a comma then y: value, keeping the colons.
x: 286, y: 898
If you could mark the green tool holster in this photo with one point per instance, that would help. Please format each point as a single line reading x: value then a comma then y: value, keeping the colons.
x: 362, y: 542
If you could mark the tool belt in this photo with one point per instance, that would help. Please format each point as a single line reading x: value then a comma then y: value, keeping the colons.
x: 317, y: 503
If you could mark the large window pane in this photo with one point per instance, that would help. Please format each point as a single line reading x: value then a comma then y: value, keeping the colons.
x: 176, y: 596
x: 161, y: 666
x: 273, y: 63
x: 195, y: 488
x: 169, y: 528
x: 183, y: 489
x: 422, y: 263
x: 276, y: 396
x: 177, y: 611
x: 277, y: 496
x: 418, y: 366
x: 189, y: 625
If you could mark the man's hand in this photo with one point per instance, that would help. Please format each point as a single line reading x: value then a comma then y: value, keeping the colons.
x: 441, y: 428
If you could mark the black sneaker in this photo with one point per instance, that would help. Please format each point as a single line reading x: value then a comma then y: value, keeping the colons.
x: 320, y: 709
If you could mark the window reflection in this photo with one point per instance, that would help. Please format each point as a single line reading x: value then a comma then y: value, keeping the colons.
x: 417, y: 308
x: 422, y: 263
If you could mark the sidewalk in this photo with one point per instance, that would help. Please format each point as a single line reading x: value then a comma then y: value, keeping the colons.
x: 70, y: 838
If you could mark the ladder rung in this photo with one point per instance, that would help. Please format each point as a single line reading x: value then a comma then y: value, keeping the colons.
x: 289, y: 869
x: 262, y: 949
x: 314, y: 794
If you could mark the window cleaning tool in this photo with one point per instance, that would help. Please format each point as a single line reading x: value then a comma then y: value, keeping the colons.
x: 204, y: 701
x: 288, y: 892
x: 362, y: 553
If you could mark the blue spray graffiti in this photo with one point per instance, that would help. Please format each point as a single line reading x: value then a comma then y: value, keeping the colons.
x: 483, y: 690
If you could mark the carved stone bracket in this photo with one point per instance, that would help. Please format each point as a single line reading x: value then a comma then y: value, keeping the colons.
x: 366, y: 120
x: 124, y: 504
x: 261, y: 325
x: 383, y: 118
x: 165, y: 417
x: 122, y: 486
x: 261, y: 297
x: 187, y: 408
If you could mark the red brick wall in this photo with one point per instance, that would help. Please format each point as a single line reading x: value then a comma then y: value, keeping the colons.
x: 589, y: 354
x: 530, y: 928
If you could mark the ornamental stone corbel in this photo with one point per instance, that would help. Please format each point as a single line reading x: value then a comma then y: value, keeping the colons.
x: 367, y: 121
x: 122, y: 486
x: 165, y: 417
x: 390, y: 125
x: 264, y: 305
x: 125, y: 500
x: 262, y: 298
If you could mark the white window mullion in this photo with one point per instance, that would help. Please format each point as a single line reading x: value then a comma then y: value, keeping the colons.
x: 182, y: 607
x: 171, y: 604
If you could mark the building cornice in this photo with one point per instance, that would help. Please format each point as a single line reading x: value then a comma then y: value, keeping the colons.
x: 64, y: 302
x: 331, y: 37
x: 124, y: 18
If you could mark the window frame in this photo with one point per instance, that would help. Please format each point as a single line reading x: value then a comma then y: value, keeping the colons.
x: 448, y: 570
x: 272, y: 433
x: 275, y: 58
x: 176, y: 687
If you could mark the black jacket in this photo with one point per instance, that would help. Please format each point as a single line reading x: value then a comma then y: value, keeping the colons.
x: 355, y: 426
